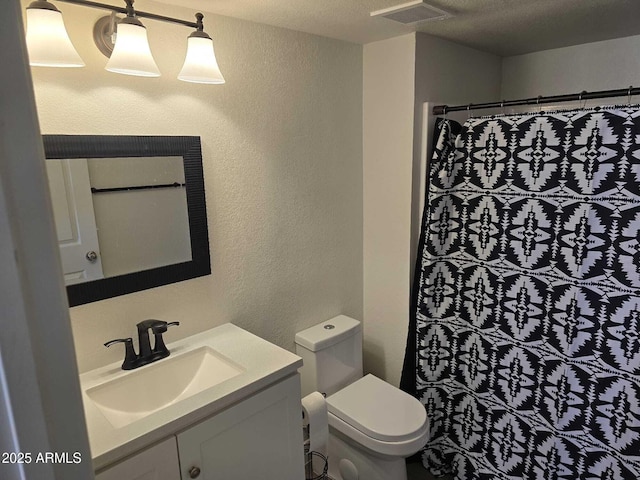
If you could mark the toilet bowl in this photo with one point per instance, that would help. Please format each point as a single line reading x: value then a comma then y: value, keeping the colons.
x: 373, y: 426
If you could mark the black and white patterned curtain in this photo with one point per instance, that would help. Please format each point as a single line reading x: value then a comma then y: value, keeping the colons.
x: 527, y: 298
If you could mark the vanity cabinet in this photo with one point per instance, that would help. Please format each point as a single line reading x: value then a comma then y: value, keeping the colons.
x: 159, y: 462
x: 261, y: 437
x: 258, y: 437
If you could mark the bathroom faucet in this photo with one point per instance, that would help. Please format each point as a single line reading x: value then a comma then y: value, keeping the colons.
x: 146, y: 355
x: 158, y: 327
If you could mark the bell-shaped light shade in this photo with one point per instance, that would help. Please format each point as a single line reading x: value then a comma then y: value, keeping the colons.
x: 131, y: 53
x: 200, y: 64
x: 47, y: 40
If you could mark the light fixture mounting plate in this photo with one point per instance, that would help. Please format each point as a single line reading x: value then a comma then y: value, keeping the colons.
x: 104, y: 34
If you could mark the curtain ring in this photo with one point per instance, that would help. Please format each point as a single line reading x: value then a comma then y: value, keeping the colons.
x: 502, y: 106
x: 584, y: 105
x: 469, y: 111
x: 629, y: 94
x: 538, y: 103
x: 444, y: 111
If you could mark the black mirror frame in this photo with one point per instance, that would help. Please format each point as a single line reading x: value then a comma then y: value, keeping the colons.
x: 110, y: 146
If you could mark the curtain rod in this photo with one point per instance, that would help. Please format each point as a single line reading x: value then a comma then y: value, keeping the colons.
x: 584, y: 95
x: 137, y: 187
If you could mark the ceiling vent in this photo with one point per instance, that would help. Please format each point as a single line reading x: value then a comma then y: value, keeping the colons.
x: 412, y: 12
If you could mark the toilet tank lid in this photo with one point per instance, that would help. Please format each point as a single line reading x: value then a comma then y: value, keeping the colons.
x: 327, y: 333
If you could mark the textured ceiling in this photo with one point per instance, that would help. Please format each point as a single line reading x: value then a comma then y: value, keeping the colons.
x: 503, y: 27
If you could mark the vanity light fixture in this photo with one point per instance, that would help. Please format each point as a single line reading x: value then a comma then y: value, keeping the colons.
x: 123, y: 40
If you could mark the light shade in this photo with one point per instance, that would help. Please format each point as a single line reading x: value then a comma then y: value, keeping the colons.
x: 200, y: 64
x: 47, y: 40
x: 131, y: 53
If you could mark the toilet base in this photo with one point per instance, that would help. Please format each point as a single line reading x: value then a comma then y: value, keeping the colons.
x: 351, y: 462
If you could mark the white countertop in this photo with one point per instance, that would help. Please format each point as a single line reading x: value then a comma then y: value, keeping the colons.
x: 262, y: 362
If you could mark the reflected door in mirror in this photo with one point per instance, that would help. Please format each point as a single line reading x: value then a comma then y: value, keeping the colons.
x: 74, y: 219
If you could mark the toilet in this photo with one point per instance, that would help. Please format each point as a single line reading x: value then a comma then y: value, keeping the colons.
x: 373, y: 426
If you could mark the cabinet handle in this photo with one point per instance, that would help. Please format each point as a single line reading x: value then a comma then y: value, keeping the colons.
x: 194, y: 472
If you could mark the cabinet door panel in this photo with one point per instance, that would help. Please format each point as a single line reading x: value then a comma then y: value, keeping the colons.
x: 260, y: 437
x: 159, y: 462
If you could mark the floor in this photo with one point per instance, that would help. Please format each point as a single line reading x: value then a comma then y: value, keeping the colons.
x: 415, y: 471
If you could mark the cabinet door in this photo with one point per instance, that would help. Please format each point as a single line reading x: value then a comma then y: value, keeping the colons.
x: 159, y: 462
x: 260, y: 437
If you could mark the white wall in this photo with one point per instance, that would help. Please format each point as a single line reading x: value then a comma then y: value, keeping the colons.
x: 388, y: 96
x: 282, y: 154
x: 401, y: 74
x: 607, y: 65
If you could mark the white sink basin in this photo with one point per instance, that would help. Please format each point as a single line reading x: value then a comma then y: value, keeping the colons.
x: 127, y: 411
x: 156, y: 386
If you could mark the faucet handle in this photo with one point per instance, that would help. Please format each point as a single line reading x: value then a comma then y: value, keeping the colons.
x: 118, y: 340
x: 158, y: 326
x: 130, y: 357
x: 160, y: 349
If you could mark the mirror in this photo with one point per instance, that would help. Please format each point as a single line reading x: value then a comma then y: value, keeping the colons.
x: 130, y: 212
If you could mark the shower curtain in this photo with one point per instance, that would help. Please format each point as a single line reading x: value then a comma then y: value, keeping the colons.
x: 524, y: 343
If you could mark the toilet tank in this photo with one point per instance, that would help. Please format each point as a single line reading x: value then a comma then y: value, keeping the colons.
x: 332, y: 355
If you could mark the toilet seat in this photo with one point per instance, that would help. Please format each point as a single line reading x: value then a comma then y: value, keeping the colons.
x: 379, y: 416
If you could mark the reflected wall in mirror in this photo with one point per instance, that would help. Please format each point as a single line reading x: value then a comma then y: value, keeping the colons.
x: 130, y: 212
